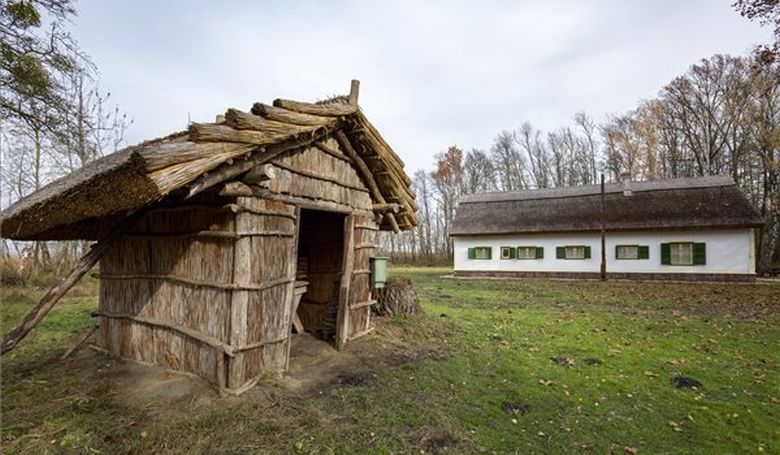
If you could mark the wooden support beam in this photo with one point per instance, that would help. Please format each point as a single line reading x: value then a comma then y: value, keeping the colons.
x: 85, y: 264
x: 366, y: 173
x: 386, y: 208
x: 235, y: 189
x: 259, y: 174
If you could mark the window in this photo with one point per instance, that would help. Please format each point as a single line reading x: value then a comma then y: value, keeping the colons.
x: 572, y: 252
x: 480, y: 252
x: 575, y: 252
x: 632, y: 252
x: 507, y: 252
x: 681, y: 253
x: 684, y: 253
x: 529, y: 252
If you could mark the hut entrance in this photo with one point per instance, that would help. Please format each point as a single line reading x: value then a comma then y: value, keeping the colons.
x: 320, y: 263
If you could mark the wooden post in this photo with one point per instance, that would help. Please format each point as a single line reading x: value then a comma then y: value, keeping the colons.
x: 603, y: 234
x: 342, y: 325
x: 292, y: 270
x: 239, y: 300
x: 85, y: 264
x: 354, y: 90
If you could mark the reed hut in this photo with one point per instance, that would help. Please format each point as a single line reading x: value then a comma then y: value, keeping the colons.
x: 215, y: 241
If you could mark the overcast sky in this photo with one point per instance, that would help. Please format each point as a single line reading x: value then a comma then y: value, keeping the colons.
x: 432, y: 74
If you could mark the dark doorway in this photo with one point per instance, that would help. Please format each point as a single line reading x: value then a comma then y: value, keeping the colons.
x: 320, y: 262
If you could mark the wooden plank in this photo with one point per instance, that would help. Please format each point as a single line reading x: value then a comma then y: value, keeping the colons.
x: 342, y: 327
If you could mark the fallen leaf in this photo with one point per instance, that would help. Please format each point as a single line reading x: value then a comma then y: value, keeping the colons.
x: 545, y: 382
x: 677, y: 361
x: 651, y: 374
x: 631, y: 450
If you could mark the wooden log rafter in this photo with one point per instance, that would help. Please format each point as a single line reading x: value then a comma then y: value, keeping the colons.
x: 365, y: 172
x: 315, y: 176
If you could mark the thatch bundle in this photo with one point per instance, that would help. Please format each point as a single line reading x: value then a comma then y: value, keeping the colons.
x: 184, y: 164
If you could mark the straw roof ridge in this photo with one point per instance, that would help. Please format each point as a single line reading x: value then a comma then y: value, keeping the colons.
x: 586, y: 190
x: 196, y: 159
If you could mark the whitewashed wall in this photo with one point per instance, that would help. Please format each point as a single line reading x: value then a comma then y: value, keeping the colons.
x: 728, y: 251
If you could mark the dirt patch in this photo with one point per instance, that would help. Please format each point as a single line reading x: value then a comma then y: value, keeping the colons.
x: 685, y: 382
x: 434, y: 439
x: 516, y: 408
x: 563, y: 361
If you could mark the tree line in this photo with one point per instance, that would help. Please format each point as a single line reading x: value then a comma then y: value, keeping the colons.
x: 54, y: 118
x: 721, y: 117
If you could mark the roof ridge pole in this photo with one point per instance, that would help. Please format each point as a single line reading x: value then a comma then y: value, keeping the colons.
x: 354, y: 90
x: 603, y: 234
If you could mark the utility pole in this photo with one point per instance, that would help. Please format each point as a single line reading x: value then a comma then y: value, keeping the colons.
x: 603, y: 234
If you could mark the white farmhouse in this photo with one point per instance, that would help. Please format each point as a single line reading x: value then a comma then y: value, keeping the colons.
x: 697, y: 229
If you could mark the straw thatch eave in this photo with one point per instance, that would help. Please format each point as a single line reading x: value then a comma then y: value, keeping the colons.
x: 84, y: 204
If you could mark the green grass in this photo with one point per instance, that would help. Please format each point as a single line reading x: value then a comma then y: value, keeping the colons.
x: 450, y: 379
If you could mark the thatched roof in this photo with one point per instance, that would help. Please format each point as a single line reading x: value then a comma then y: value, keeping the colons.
x: 712, y: 201
x: 187, y: 162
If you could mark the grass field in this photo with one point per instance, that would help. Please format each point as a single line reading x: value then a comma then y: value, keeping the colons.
x: 492, y: 367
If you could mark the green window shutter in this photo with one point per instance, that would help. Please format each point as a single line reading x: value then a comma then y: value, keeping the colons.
x: 539, y: 252
x: 512, y: 253
x: 490, y: 252
x: 644, y: 252
x: 560, y: 252
x: 699, y: 253
x: 587, y: 252
x: 472, y: 253
x: 616, y: 251
x: 666, y: 254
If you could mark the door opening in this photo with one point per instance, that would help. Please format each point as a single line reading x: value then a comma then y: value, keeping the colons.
x: 320, y: 262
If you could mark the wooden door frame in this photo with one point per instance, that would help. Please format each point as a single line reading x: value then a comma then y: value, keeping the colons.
x: 348, y: 261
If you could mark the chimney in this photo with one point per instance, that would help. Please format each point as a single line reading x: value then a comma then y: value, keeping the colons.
x: 625, y: 179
